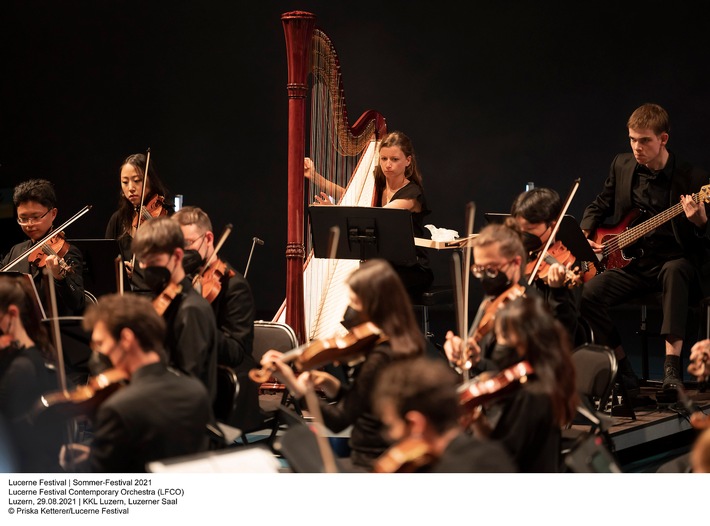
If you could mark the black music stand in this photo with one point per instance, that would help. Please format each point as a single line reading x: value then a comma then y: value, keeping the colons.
x: 365, y: 233
x: 31, y: 283
x: 100, y: 265
x: 569, y: 233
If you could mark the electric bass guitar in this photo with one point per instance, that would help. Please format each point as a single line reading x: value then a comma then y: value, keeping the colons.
x: 617, y: 239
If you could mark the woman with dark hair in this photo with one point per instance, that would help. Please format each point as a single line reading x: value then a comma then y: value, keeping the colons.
x: 398, y: 184
x: 122, y: 224
x: 26, y: 372
x: 376, y: 296
x: 528, y: 420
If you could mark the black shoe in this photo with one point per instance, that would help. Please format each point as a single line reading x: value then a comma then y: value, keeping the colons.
x: 671, y: 374
x: 630, y: 383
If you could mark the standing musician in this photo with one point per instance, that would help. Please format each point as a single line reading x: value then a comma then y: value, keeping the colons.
x: 192, y: 335
x: 27, y: 360
x: 398, y: 184
x: 378, y: 296
x: 650, y: 178
x: 536, y: 213
x: 499, y: 264
x: 418, y: 403
x: 232, y: 301
x: 124, y: 221
x: 161, y: 413
x: 36, y: 205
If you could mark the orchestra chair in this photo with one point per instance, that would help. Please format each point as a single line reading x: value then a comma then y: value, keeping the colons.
x: 595, y: 369
x: 436, y: 297
x: 281, y: 337
x: 225, y: 403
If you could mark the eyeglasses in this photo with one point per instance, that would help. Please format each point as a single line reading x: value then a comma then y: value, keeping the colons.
x: 490, y: 271
x: 32, y: 220
x: 193, y: 241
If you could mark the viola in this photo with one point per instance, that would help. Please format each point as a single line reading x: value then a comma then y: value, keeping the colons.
x: 163, y: 300
x: 210, y: 280
x: 55, y: 246
x: 478, y: 392
x: 406, y: 456
x: 557, y: 253
x: 318, y: 353
x: 83, y: 400
x: 154, y: 208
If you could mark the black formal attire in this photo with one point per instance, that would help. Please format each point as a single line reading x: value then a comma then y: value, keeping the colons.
x: 115, y: 230
x: 468, y: 454
x: 353, y: 407
x: 673, y: 256
x: 523, y: 421
x: 160, y: 414
x: 417, y: 278
x: 191, y: 341
x: 24, y: 377
x: 70, y: 290
x: 234, y: 310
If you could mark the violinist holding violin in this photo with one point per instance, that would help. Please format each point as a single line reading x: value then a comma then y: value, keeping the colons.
x: 377, y: 295
x: 123, y: 223
x: 160, y: 413
x: 27, y: 360
x: 232, y: 301
x: 418, y: 403
x: 36, y: 205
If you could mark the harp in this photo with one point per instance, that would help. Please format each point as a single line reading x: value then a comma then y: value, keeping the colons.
x: 342, y: 154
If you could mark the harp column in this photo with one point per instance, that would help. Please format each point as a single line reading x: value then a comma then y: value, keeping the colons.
x: 298, y: 30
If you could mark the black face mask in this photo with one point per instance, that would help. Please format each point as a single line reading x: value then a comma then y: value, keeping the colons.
x: 98, y: 363
x: 531, y: 242
x: 352, y: 318
x: 192, y: 261
x: 504, y: 356
x: 496, y: 286
x: 157, y: 278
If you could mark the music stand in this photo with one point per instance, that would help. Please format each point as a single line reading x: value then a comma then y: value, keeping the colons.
x: 31, y: 282
x: 76, y: 344
x: 100, y: 265
x: 569, y: 233
x: 365, y: 233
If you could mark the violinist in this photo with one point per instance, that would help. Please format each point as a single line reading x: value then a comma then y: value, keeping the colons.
x: 27, y: 360
x: 191, y: 339
x: 36, y: 205
x: 376, y: 295
x: 528, y: 420
x: 536, y: 212
x: 160, y: 413
x: 232, y: 301
x: 122, y: 224
x: 418, y: 403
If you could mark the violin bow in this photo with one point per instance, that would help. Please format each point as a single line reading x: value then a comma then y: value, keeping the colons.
x: 50, y: 235
x: 119, y: 274
x: 254, y: 241
x: 140, y: 205
x: 461, y: 281
x: 543, y: 253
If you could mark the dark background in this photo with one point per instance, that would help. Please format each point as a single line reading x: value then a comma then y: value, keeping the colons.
x: 493, y: 95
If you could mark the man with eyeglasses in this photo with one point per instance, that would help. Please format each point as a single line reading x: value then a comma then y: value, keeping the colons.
x: 233, y: 306
x: 36, y: 205
x: 499, y: 263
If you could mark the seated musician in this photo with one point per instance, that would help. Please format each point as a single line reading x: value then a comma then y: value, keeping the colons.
x: 232, y: 302
x: 398, y: 184
x: 528, y: 417
x: 418, y: 402
x: 499, y: 264
x: 536, y: 212
x: 36, y: 205
x: 377, y: 296
x: 27, y: 370
x: 191, y: 339
x: 124, y: 221
x: 160, y: 413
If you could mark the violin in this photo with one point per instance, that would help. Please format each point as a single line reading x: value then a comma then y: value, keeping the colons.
x: 487, y: 319
x: 83, y: 400
x: 55, y: 246
x: 163, y: 300
x: 478, y: 392
x: 318, y: 353
x: 406, y: 456
x: 557, y: 253
x: 211, y: 279
x: 154, y: 208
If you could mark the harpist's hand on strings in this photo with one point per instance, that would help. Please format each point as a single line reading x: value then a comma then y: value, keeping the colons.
x: 323, y: 199
x: 308, y: 169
